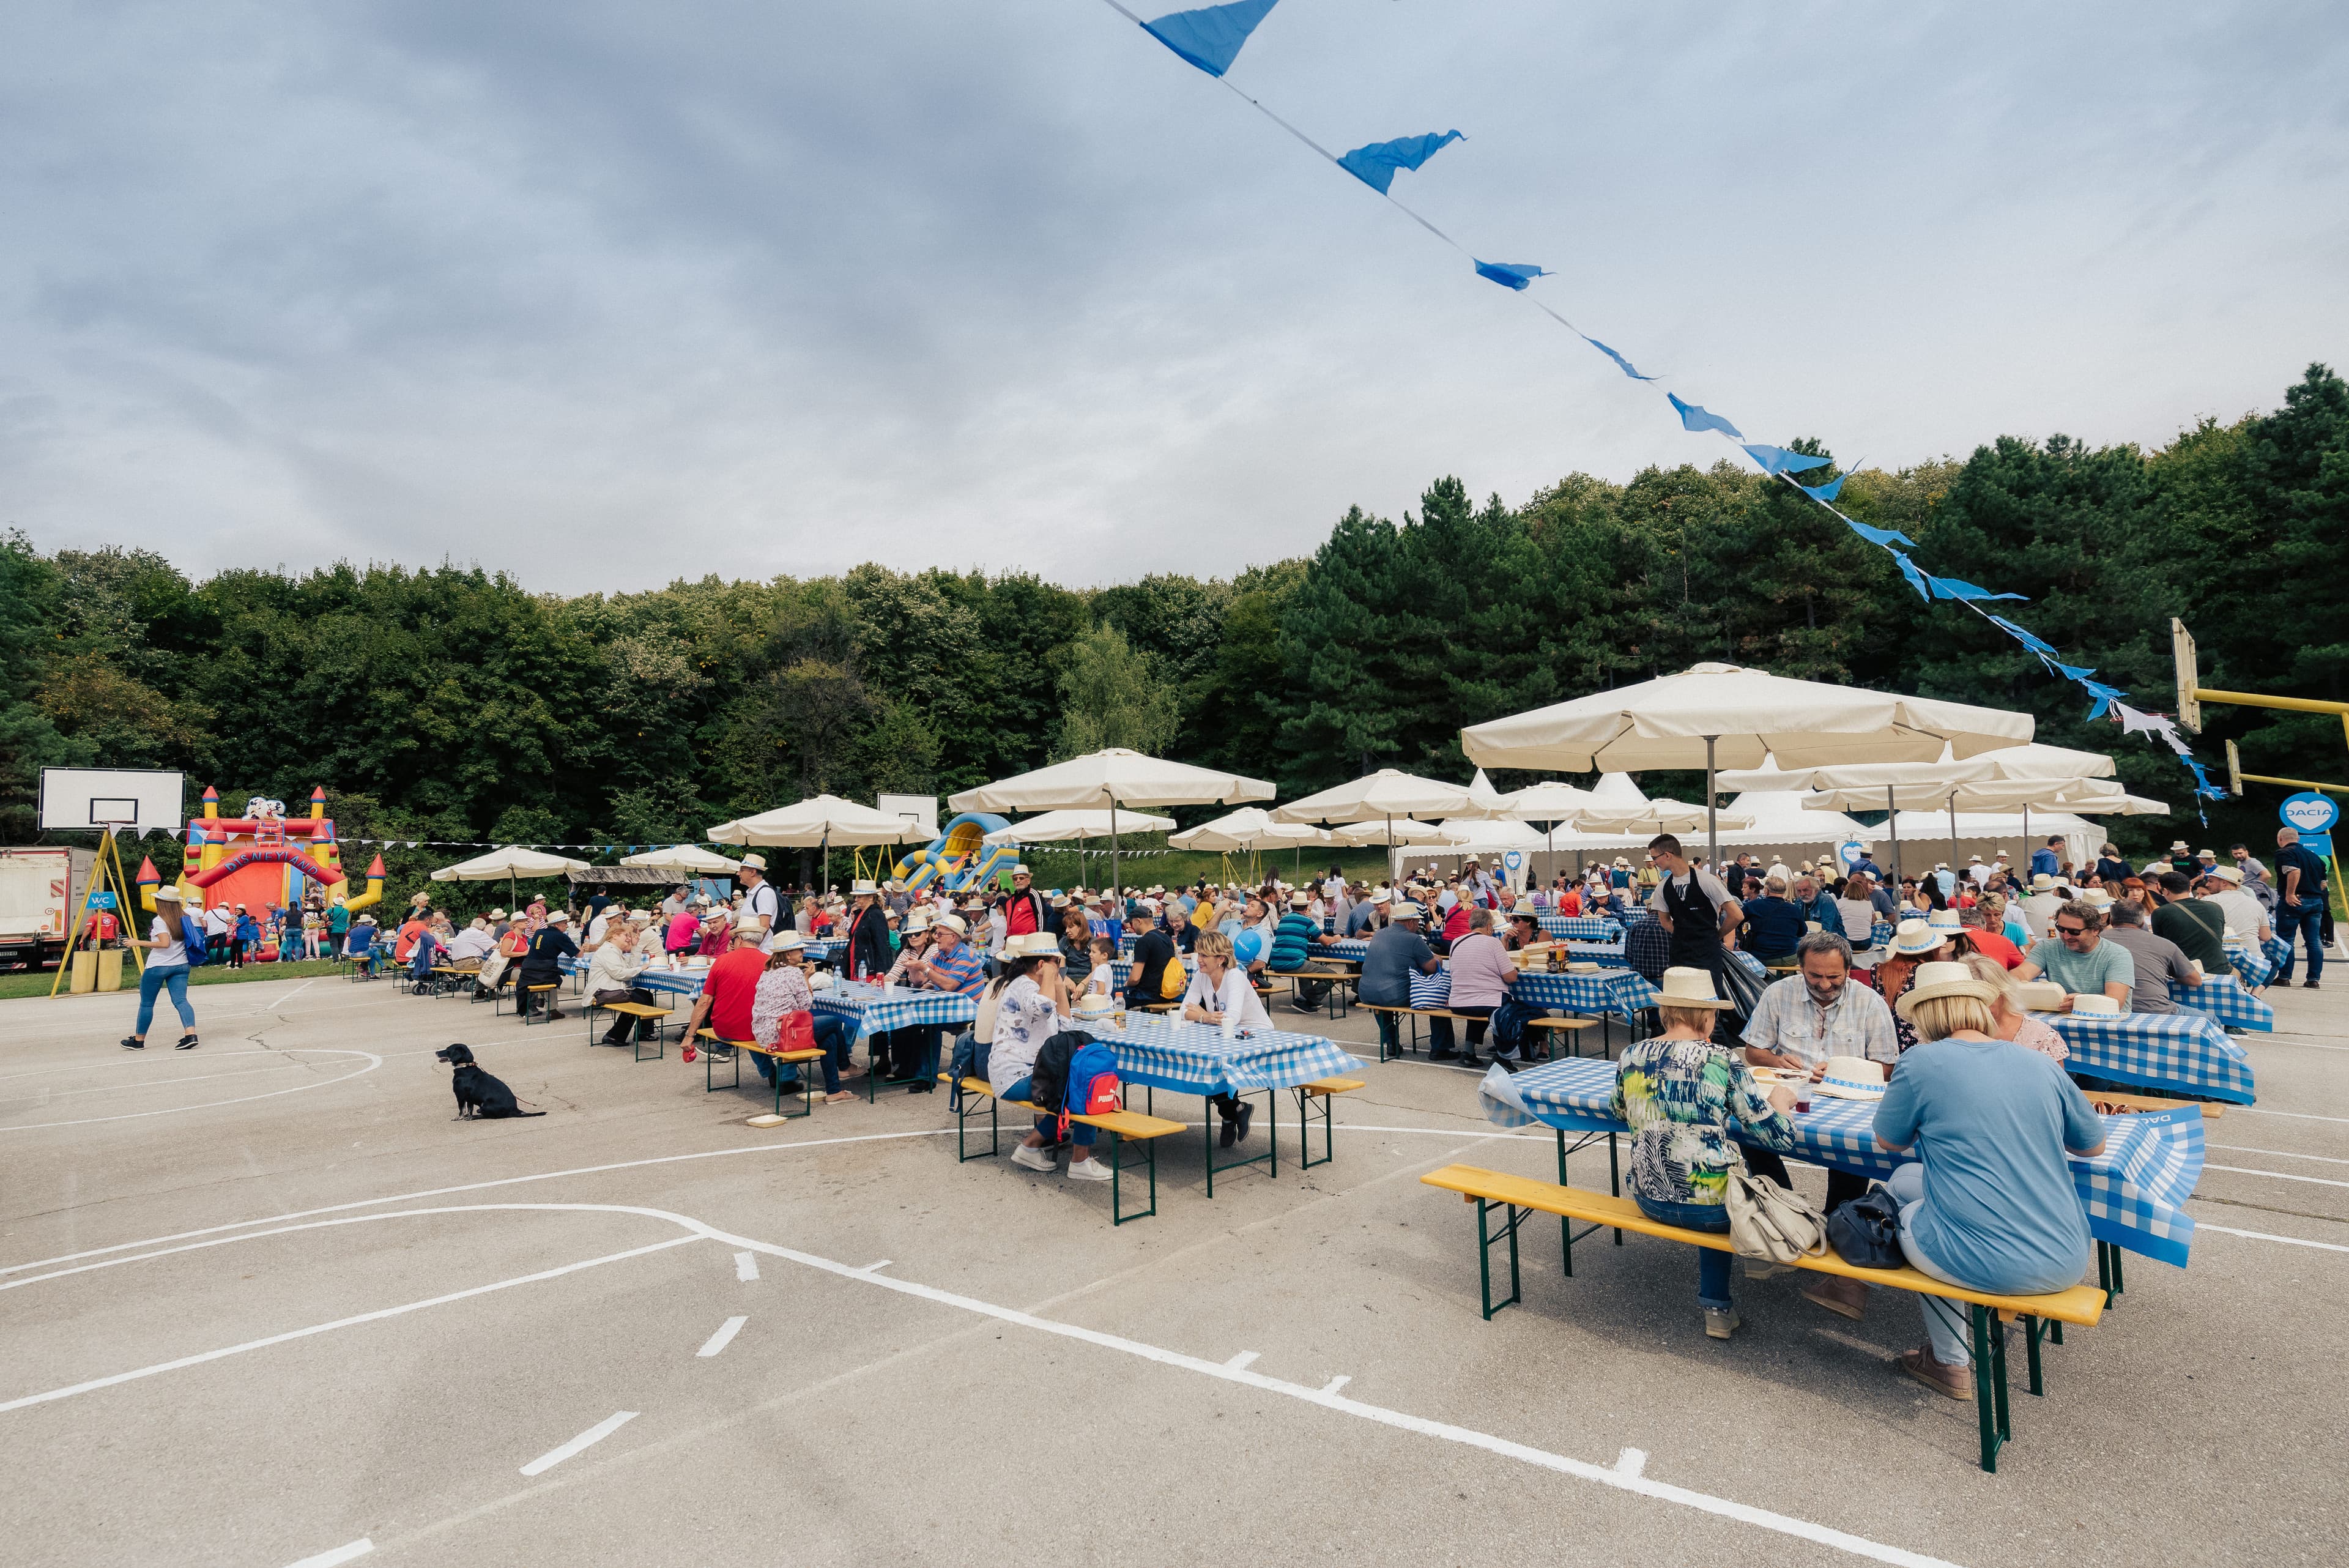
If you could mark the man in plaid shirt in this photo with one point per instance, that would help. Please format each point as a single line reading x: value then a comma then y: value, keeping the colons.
x: 951, y: 964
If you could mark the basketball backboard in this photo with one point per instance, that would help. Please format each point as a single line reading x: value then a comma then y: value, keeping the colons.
x: 110, y: 797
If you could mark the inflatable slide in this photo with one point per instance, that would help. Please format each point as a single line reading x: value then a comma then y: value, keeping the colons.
x: 956, y: 859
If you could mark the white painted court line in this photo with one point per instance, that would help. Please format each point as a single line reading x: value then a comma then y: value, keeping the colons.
x: 2276, y: 1153
x: 2201, y: 1224
x: 2277, y: 1175
x: 1631, y: 1462
x: 1337, y: 1383
x: 463, y: 1187
x: 2294, y: 1115
x: 746, y: 1266
x: 884, y: 1263
x: 356, y: 1549
x: 292, y: 994
x: 373, y: 1061
x: 1245, y: 1359
x: 161, y: 1367
x: 580, y: 1444
x: 723, y: 1337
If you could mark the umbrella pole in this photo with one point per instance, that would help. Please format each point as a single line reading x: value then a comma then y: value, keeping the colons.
x: 1953, y: 833
x: 1892, y: 826
x: 1117, y: 886
x: 2026, y: 832
x: 1712, y: 818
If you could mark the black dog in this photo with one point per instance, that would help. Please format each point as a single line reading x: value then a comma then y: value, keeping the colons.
x: 478, y: 1093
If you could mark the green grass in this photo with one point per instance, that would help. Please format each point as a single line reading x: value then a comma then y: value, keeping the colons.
x: 1171, y: 869
x: 12, y: 985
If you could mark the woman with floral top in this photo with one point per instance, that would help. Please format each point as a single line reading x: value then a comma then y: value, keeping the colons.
x: 782, y: 989
x: 1680, y: 1093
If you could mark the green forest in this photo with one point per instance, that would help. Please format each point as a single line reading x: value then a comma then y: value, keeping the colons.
x: 452, y: 704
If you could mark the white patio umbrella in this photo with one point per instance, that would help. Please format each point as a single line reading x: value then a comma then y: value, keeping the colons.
x: 1384, y: 798
x: 1549, y: 803
x: 1108, y: 780
x: 1060, y: 826
x: 1659, y: 815
x: 505, y: 865
x: 817, y: 823
x: 1247, y: 830
x: 1716, y: 714
x: 2078, y: 796
x: 685, y: 857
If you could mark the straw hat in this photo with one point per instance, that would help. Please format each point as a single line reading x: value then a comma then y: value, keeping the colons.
x: 1911, y: 939
x: 1382, y: 896
x: 863, y: 890
x: 788, y: 941
x: 953, y: 923
x: 560, y: 918
x: 497, y: 914
x: 2096, y: 897
x: 2041, y: 882
x: 168, y: 891
x: 916, y: 921
x: 1947, y: 920
x: 754, y: 863
x: 1686, y: 987
x: 1299, y: 901
x: 2094, y: 1004
x: 1032, y: 944
x: 1406, y: 910
x: 1856, y: 1077
x: 1935, y: 979
x: 2226, y: 873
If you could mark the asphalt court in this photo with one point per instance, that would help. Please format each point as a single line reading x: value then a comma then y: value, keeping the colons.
x: 266, y: 1303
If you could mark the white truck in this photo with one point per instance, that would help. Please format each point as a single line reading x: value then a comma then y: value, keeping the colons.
x: 38, y: 887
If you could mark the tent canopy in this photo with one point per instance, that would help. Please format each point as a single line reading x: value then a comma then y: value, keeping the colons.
x: 685, y: 857
x: 1060, y: 826
x: 817, y: 823
x: 508, y: 864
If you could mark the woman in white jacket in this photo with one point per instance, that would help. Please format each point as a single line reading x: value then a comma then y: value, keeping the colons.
x: 1027, y: 1001
x: 1222, y: 994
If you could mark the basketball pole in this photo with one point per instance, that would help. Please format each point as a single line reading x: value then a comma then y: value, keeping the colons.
x: 109, y: 858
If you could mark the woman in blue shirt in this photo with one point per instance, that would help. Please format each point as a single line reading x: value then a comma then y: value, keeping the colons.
x: 1989, y: 1202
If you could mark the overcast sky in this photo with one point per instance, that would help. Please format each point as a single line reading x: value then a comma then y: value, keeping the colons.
x: 604, y: 295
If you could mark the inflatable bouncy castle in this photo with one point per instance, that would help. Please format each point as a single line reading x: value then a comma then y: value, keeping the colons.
x: 262, y: 858
x: 958, y: 859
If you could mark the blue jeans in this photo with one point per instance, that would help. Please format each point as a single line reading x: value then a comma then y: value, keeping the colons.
x: 154, y: 977
x: 768, y: 1067
x: 1712, y: 1266
x: 1079, y: 1134
x: 2306, y: 919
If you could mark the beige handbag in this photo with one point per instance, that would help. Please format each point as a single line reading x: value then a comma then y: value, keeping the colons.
x: 1769, y: 1221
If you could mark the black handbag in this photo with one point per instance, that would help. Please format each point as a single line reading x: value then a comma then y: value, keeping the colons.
x: 1865, y: 1231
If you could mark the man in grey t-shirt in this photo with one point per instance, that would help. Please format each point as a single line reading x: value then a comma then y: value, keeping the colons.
x: 2159, y: 960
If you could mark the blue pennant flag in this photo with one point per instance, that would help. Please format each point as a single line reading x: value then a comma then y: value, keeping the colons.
x: 2021, y: 636
x: 2105, y: 696
x: 1619, y: 359
x: 1916, y: 579
x: 1830, y: 492
x: 2070, y: 671
x: 1509, y: 274
x: 1694, y: 418
x: 1887, y: 537
x: 1952, y: 588
x: 1778, y: 460
x: 1375, y: 164
x: 1211, y: 36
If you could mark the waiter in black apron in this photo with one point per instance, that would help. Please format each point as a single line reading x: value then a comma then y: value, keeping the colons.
x: 1694, y: 907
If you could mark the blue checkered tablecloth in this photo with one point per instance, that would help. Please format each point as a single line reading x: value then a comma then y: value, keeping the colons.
x: 1621, y: 991
x: 2277, y: 951
x: 685, y: 983
x: 1122, y: 970
x: 1584, y: 928
x: 876, y: 1009
x: 2223, y: 996
x: 2134, y: 1193
x: 1879, y: 935
x: 1196, y: 1058
x: 1354, y: 947
x: 2252, y: 963
x: 1752, y: 965
x: 824, y: 950
x: 2185, y: 1052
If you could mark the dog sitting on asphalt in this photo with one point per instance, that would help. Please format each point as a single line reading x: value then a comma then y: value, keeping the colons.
x: 479, y: 1095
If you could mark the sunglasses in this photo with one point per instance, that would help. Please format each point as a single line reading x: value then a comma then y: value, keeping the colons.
x: 2071, y: 930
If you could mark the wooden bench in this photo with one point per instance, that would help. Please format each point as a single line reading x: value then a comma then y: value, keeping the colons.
x: 2104, y: 1102
x: 1321, y: 1093
x: 523, y: 993
x: 640, y: 1011
x: 2083, y: 1304
x: 779, y: 1058
x: 1334, y: 973
x: 1124, y: 1128
x: 1415, y: 1014
x: 1571, y: 1027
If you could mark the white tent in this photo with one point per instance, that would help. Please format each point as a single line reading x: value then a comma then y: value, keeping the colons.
x: 685, y: 857
x: 1985, y: 832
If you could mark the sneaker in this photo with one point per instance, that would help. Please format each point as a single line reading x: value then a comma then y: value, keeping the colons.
x: 1231, y: 1132
x: 1033, y: 1158
x: 2308, y: 985
x: 1090, y: 1170
x: 1721, y: 1323
x: 132, y: 1042
x: 1248, y: 1115
x: 187, y: 1042
x: 1955, y: 1381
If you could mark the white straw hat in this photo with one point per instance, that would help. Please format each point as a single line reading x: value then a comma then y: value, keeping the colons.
x: 1935, y: 979
x: 1853, y: 1078
x: 2094, y: 1004
x: 1688, y: 987
x: 789, y: 941
x: 1032, y: 944
x: 1912, y: 937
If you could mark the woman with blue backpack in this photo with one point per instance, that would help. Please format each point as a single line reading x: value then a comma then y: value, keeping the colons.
x: 167, y: 967
x: 1027, y: 1000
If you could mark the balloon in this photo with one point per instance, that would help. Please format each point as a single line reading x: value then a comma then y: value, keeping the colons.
x: 1247, y: 948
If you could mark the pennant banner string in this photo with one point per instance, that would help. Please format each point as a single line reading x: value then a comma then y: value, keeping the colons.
x: 1211, y: 38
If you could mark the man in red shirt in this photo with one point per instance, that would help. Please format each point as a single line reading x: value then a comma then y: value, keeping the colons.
x: 404, y: 942
x: 1984, y: 922
x: 1025, y: 910
x: 724, y: 1005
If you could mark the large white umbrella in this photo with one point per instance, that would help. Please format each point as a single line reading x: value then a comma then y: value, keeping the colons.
x: 1715, y: 715
x: 1392, y: 831
x: 1659, y: 815
x: 1384, y: 796
x: 1058, y: 827
x: 1549, y: 802
x: 685, y: 857
x: 817, y: 823
x: 1108, y: 780
x: 505, y: 865
x: 2078, y: 796
x: 1249, y: 828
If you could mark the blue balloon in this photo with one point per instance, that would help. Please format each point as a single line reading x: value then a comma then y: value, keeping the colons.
x: 1247, y: 948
